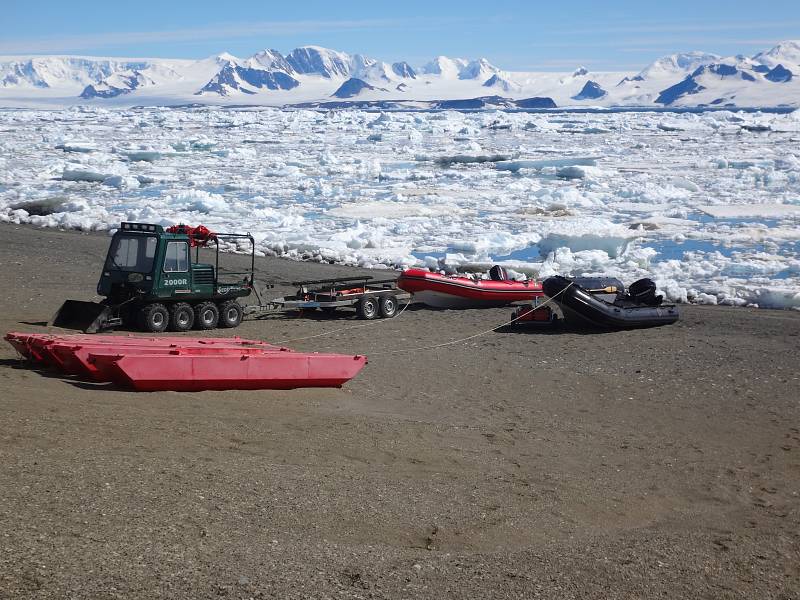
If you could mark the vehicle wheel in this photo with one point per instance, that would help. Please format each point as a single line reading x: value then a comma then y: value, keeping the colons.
x: 181, y: 317
x: 367, y: 308
x: 206, y: 315
x: 154, y: 317
x: 230, y: 314
x: 388, y: 306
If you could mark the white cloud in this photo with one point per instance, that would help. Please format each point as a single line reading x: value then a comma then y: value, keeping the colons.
x: 737, y: 26
x: 221, y: 32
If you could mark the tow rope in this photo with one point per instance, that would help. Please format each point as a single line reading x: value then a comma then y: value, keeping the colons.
x: 469, y: 337
x: 429, y: 347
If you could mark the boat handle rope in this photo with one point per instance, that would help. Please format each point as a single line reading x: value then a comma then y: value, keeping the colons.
x: 470, y: 337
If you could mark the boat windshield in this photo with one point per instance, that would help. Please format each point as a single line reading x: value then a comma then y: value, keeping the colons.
x: 132, y: 253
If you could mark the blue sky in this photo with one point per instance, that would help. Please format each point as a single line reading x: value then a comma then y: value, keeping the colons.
x: 532, y: 35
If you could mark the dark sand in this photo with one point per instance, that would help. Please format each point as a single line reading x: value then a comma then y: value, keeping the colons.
x: 658, y: 463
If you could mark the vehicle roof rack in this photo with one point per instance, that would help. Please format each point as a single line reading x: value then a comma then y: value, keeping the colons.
x: 141, y: 227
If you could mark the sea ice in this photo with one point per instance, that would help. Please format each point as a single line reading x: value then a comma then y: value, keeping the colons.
x: 516, y: 165
x: 751, y: 210
x: 704, y: 207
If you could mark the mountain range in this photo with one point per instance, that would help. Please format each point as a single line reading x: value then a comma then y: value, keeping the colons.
x: 315, y: 76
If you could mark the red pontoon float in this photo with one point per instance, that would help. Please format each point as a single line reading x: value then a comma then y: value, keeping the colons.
x: 86, y: 357
x: 268, y: 370
x: 443, y: 291
x: 184, y: 363
x: 98, y: 364
x: 73, y: 357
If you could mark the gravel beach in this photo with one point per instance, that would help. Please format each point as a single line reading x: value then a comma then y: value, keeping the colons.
x: 519, y: 464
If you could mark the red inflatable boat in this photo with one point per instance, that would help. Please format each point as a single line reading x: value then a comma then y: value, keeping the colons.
x: 443, y: 291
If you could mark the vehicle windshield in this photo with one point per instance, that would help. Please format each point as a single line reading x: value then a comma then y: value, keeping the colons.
x: 132, y: 253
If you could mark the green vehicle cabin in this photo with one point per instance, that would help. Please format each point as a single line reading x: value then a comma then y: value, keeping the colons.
x: 150, y: 281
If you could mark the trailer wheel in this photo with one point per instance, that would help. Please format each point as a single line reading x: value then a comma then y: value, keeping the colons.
x: 367, y: 308
x: 388, y: 306
x: 181, y: 317
x: 154, y: 317
x: 206, y: 315
x: 230, y: 314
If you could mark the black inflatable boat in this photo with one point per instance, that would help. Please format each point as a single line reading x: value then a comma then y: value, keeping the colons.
x: 640, y: 307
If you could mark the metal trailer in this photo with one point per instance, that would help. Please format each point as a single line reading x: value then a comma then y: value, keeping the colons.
x: 371, y: 298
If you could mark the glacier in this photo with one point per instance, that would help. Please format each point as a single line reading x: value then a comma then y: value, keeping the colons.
x: 705, y: 203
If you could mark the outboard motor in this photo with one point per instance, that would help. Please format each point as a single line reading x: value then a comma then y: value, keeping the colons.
x: 643, y: 291
x: 498, y: 273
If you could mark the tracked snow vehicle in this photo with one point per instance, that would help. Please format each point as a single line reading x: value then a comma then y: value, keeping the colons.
x: 150, y: 282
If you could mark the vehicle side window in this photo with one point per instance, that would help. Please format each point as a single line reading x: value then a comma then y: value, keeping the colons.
x: 126, y: 254
x: 177, y: 257
x: 150, y: 248
x: 132, y: 253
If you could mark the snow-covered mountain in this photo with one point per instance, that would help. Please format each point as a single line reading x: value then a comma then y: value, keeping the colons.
x: 675, y: 65
x: 785, y: 53
x: 319, y: 61
x: 442, y: 65
x: 738, y: 80
x: 501, y: 83
x: 316, y: 75
x: 55, y: 71
x: 591, y: 91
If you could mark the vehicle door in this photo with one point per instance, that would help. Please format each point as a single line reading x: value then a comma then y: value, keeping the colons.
x: 176, y: 277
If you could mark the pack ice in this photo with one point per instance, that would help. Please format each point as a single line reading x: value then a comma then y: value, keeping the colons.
x: 707, y: 204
